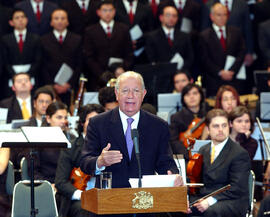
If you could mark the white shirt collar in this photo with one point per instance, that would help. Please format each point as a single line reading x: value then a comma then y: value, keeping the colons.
x: 16, y: 33
x: 177, y: 4
x: 105, y: 25
x: 57, y: 34
x: 127, y: 5
x: 218, y: 147
x: 216, y: 29
x: 124, y: 118
x: 86, y: 3
x: 34, y: 6
x: 230, y: 2
x: 28, y: 103
x: 167, y: 31
x: 157, y: 2
x: 39, y: 122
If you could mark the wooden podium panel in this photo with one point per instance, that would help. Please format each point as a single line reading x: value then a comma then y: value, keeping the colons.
x: 127, y: 200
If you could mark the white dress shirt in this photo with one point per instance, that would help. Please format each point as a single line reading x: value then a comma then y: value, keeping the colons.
x: 127, y: 6
x: 17, y: 33
x: 167, y: 31
x: 57, y: 34
x: 34, y: 6
x: 216, y: 29
x: 86, y: 3
x: 105, y: 25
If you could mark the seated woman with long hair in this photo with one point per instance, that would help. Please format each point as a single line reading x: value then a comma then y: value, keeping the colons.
x: 193, y: 107
x: 227, y: 98
x: 46, y: 158
x: 242, y: 127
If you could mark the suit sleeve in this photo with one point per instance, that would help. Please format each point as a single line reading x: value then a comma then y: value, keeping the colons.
x: 128, y: 61
x: 64, y: 168
x: 91, y: 149
x: 37, y: 60
x: 238, y: 175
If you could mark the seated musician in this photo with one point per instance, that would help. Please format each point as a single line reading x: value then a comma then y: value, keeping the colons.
x: 69, y: 159
x: 227, y: 98
x: 224, y: 162
x: 5, y: 202
x: 242, y: 127
x: 46, y: 159
x: 264, y: 210
x: 193, y: 107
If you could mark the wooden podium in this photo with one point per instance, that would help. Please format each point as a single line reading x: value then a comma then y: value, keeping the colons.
x: 135, y: 200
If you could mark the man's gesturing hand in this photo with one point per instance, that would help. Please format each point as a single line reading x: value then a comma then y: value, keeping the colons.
x: 107, y: 158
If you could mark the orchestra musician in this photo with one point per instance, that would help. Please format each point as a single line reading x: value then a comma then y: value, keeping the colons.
x: 5, y: 202
x: 242, y: 126
x: 46, y: 159
x: 193, y: 107
x: 224, y: 162
x: 227, y: 98
x: 69, y: 158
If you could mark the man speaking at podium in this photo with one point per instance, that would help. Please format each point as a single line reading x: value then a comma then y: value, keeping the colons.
x: 107, y: 146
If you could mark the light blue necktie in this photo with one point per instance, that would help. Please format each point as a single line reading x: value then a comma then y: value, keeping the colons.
x: 128, y: 137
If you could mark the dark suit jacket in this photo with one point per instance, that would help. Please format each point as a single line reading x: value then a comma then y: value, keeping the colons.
x: 55, y: 54
x: 232, y: 166
x: 159, y: 50
x: 68, y: 159
x: 98, y: 48
x: 264, y: 41
x: 77, y: 20
x: 154, y: 150
x: 14, y: 109
x: 239, y: 17
x: 33, y: 25
x: 31, y: 53
x: 213, y: 57
x: 5, y: 13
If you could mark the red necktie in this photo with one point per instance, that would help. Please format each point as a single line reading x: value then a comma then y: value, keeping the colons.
x: 222, y: 40
x: 154, y: 7
x: 60, y: 39
x: 20, y: 43
x: 109, y: 34
x: 38, y: 14
x: 83, y: 7
x: 227, y: 6
x: 180, y: 7
x: 170, y: 40
x: 131, y: 15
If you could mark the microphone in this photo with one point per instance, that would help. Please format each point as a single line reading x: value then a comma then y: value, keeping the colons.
x: 135, y: 139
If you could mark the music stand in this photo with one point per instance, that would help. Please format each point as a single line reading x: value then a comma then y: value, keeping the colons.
x: 158, y: 78
x: 169, y: 103
x: 33, y: 146
x: 265, y: 106
x: 261, y: 77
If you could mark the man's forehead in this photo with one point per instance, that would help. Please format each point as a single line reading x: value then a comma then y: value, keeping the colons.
x: 219, y: 120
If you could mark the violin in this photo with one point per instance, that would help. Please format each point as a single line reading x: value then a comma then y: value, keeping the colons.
x: 79, y: 179
x: 194, y: 166
x: 194, y: 130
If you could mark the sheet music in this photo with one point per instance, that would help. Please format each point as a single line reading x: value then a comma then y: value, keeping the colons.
x: 135, y: 32
x: 115, y: 60
x: 241, y: 74
x: 21, y: 68
x: 3, y: 115
x: 154, y: 181
x: 64, y: 74
x: 186, y: 25
x: 45, y: 134
x: 177, y: 58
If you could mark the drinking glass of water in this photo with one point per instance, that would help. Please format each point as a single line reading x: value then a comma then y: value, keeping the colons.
x: 106, y: 180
